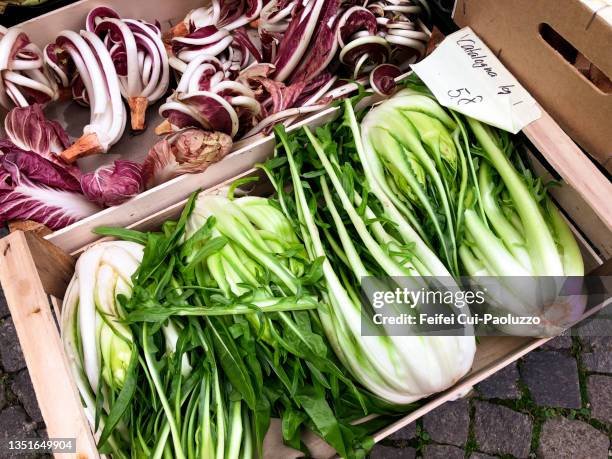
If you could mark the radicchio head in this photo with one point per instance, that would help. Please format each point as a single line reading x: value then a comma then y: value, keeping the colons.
x: 184, y: 152
x: 113, y: 184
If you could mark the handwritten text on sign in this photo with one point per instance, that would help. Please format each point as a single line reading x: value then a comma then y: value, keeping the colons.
x: 465, y: 76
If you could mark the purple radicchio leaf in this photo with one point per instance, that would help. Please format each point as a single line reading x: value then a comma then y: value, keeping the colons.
x: 230, y: 11
x: 97, y: 14
x: 184, y: 152
x: 323, y: 46
x: 29, y: 130
x: 113, y: 184
x: 205, y: 109
x: 242, y: 38
x: 382, y: 79
x: 297, y: 37
x: 43, y: 171
x: 33, y: 188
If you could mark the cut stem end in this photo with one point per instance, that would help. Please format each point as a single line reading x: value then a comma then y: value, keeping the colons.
x: 138, y: 107
x: 85, y: 146
x: 165, y: 127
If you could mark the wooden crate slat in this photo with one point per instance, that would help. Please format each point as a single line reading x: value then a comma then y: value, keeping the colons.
x: 573, y: 165
x: 32, y: 269
x: 55, y: 268
x: 23, y: 285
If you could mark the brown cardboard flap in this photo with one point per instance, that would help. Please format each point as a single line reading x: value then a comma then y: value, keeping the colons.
x: 512, y: 31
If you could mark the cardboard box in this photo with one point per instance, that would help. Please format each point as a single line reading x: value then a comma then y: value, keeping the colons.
x: 547, y: 45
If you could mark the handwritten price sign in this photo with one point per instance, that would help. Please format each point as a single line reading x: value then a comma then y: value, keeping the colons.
x: 465, y: 76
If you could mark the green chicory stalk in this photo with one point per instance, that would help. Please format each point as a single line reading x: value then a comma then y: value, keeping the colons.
x: 459, y: 175
x: 410, y: 151
x: 223, y: 337
x: 150, y: 389
x: 467, y: 186
x: 346, y: 218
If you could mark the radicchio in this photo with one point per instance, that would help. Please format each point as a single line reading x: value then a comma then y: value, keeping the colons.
x: 184, y: 152
x: 95, y: 67
x: 382, y: 79
x: 205, y: 40
x: 33, y: 188
x: 28, y: 129
x: 113, y: 184
x: 57, y: 60
x: 323, y: 46
x: 290, y: 71
x: 296, y: 39
x: 138, y: 55
x: 228, y: 14
x: 206, y: 97
x: 23, y: 77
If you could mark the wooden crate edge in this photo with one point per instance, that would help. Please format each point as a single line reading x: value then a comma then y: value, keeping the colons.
x: 38, y: 334
x: 572, y: 164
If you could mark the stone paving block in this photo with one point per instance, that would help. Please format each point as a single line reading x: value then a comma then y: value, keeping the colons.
x: 598, y: 362
x: 501, y: 384
x: 388, y: 452
x: 560, y: 342
x: 405, y: 433
x: 552, y: 379
x: 442, y: 452
x: 14, y: 425
x: 564, y: 438
x: 449, y: 423
x: 599, y: 343
x: 500, y: 430
x: 596, y: 333
x: 10, y: 351
x: 481, y: 456
x: 599, y: 389
x: 4, y: 310
x: 2, y: 394
x: 23, y: 389
x: 42, y: 433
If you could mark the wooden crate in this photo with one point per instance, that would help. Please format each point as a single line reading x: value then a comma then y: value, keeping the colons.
x: 43, y: 30
x: 561, y: 51
x: 34, y: 271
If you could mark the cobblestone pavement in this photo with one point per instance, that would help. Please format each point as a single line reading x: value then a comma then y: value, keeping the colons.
x: 20, y: 416
x: 554, y: 403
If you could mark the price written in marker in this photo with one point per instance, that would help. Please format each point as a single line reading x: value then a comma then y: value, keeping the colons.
x: 465, y: 76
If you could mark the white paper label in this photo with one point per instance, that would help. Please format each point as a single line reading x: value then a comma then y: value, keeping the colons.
x: 465, y: 76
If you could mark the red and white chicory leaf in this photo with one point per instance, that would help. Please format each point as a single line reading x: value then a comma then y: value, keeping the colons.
x: 33, y: 188
x: 296, y: 39
x: 96, y: 70
x: 28, y: 129
x: 323, y: 46
x: 184, y: 152
x: 113, y: 184
x: 24, y: 79
x: 382, y: 79
x: 138, y: 55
